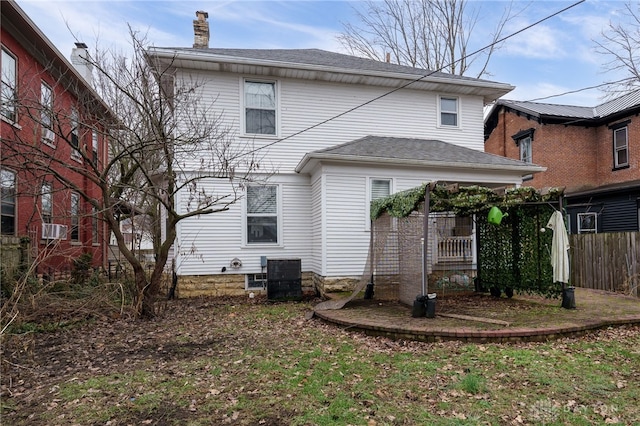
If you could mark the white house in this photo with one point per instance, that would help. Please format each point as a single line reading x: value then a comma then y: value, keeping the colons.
x: 339, y: 131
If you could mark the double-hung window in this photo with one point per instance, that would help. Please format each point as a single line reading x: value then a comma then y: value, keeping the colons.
x: 526, y: 154
x: 75, y: 134
x: 260, y: 108
x: 94, y: 145
x: 46, y: 114
x: 8, y: 201
x: 75, y: 217
x: 8, y: 93
x: 262, y: 214
x: 620, y: 147
x: 449, y: 111
x: 94, y: 226
x: 46, y: 197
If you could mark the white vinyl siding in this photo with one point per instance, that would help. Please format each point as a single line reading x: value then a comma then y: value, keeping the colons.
x: 303, y: 104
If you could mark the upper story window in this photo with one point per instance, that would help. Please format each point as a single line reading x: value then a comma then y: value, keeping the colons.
x: 262, y: 214
x: 526, y: 154
x: 8, y: 201
x: 94, y: 146
x: 620, y: 147
x: 260, y: 108
x: 46, y: 196
x: 524, y: 140
x: 9, y: 91
x: 46, y: 114
x: 94, y: 226
x: 75, y: 133
x: 449, y: 111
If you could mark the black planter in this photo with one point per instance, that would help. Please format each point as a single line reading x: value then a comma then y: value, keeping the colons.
x: 568, y: 298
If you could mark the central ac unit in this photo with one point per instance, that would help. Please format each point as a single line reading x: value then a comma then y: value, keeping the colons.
x: 54, y: 231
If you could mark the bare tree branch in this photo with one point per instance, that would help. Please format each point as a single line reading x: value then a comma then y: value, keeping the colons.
x: 429, y: 34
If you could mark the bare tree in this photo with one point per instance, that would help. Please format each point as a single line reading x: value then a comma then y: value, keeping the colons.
x: 429, y: 34
x: 620, y: 43
x: 157, y: 129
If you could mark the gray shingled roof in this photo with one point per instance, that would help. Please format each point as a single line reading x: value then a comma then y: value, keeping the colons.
x: 571, y: 111
x: 429, y: 151
x: 323, y: 58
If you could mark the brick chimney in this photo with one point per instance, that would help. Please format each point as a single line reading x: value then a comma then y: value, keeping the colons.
x: 201, y: 31
x: 80, y: 61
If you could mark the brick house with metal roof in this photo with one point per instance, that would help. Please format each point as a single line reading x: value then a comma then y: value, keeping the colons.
x: 594, y: 152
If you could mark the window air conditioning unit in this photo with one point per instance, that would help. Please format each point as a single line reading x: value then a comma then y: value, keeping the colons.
x: 53, y: 231
x: 48, y: 135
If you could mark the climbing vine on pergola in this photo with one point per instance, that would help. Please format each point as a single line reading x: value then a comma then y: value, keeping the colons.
x: 514, y: 255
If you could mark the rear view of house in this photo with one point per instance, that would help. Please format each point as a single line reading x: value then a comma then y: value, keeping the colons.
x: 333, y: 132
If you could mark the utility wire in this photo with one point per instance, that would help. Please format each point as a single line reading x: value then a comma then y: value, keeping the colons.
x: 608, y: 83
x: 430, y: 73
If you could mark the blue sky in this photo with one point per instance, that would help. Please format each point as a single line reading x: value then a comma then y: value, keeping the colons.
x: 554, y: 57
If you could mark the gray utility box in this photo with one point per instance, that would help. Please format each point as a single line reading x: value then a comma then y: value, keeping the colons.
x: 284, y: 279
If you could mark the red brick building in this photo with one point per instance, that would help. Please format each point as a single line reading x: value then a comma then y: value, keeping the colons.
x: 51, y: 144
x: 594, y: 152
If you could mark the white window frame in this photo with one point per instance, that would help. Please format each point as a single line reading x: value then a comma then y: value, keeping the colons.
x: 442, y: 111
x: 278, y: 214
x: 46, y: 201
x: 526, y: 149
x: 8, y: 184
x: 259, y: 281
x: 370, y: 197
x: 75, y: 134
x: 94, y: 146
x: 46, y: 114
x: 9, y: 87
x: 594, y: 229
x: 618, y: 149
x: 276, y: 109
x: 75, y: 217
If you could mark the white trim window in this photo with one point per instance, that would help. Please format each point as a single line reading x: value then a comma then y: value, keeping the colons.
x: 262, y: 214
x: 9, y: 91
x: 75, y: 134
x: 380, y: 188
x: 587, y: 223
x: 256, y: 281
x: 620, y: 147
x: 46, y: 114
x: 448, y: 108
x: 526, y: 151
x: 8, y: 202
x: 75, y: 217
x: 46, y: 198
x: 260, y: 108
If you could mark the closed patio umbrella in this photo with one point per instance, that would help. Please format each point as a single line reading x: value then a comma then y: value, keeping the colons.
x: 560, y: 257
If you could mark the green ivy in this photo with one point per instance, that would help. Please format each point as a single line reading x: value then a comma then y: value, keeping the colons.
x: 513, y: 255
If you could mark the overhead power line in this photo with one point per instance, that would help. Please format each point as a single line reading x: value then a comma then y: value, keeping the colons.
x: 415, y: 80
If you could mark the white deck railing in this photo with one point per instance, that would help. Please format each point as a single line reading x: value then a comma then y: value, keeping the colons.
x: 454, y: 249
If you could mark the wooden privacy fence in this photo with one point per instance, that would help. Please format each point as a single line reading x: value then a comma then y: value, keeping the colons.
x: 607, y: 261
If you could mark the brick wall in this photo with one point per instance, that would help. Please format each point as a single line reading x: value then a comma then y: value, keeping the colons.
x: 576, y: 157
